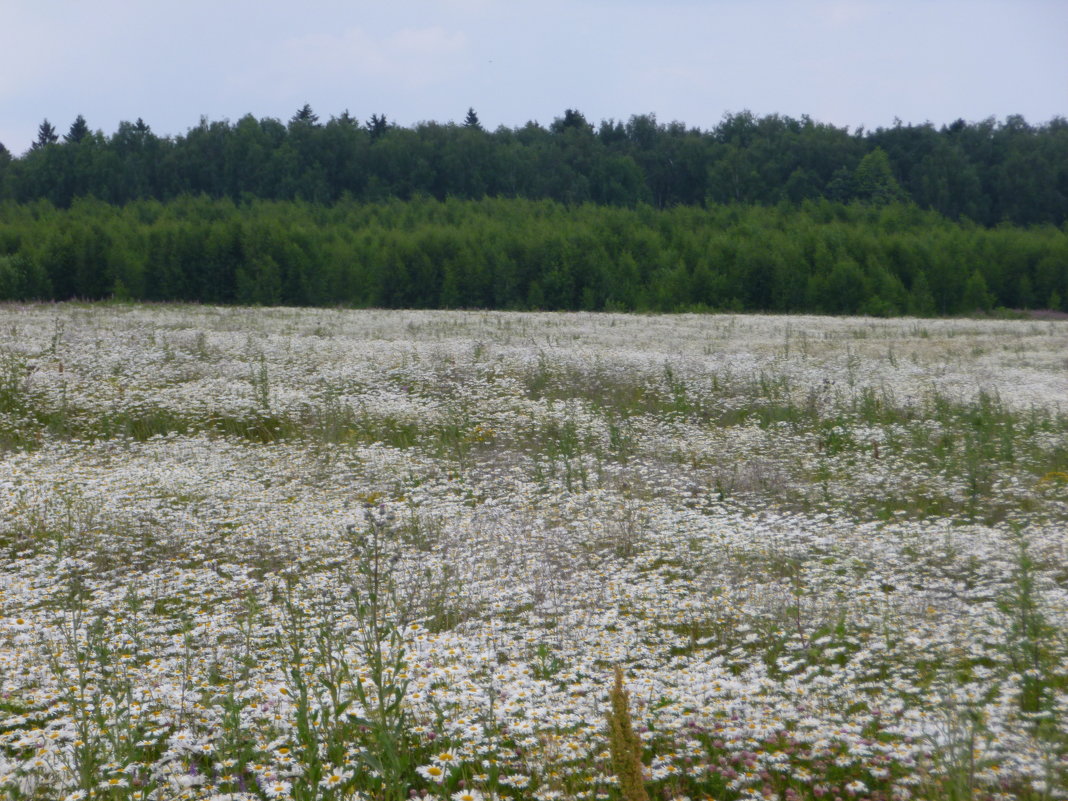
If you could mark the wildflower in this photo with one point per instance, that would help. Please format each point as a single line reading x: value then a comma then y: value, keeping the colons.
x: 517, y: 780
x: 277, y: 789
x: 467, y: 795
x: 334, y: 779
x: 432, y: 773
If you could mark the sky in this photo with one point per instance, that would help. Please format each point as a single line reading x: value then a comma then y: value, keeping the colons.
x: 850, y: 63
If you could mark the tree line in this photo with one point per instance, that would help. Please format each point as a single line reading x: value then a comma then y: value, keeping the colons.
x: 514, y: 253
x: 987, y: 172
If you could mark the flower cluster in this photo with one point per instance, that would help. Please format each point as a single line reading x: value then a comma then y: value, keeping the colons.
x: 251, y: 554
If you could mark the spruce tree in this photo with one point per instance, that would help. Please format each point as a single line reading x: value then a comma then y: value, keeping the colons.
x: 377, y: 125
x: 305, y: 116
x: 79, y: 129
x: 471, y: 120
x: 46, y: 135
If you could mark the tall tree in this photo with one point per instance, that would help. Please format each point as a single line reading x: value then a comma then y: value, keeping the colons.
x: 5, y: 169
x: 304, y: 116
x: 471, y: 120
x: 346, y: 119
x: 377, y: 125
x: 79, y: 129
x: 874, y: 181
x: 46, y: 135
x: 573, y: 119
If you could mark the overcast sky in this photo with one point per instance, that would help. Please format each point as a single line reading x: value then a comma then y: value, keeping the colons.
x: 846, y: 62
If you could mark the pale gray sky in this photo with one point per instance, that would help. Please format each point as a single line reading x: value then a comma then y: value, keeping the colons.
x: 846, y: 62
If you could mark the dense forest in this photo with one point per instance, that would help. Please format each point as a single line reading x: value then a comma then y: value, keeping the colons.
x: 504, y: 253
x: 768, y: 213
x: 987, y: 172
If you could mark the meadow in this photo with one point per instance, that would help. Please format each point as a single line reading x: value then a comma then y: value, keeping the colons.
x: 326, y: 554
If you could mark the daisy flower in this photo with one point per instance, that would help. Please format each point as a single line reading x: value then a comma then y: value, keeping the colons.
x: 432, y: 773
x: 333, y: 779
x: 446, y: 758
x: 277, y: 789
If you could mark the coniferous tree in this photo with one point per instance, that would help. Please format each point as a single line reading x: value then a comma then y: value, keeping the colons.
x: 377, y: 125
x: 346, y: 119
x: 46, y: 135
x: 305, y: 116
x: 471, y: 120
x: 79, y: 129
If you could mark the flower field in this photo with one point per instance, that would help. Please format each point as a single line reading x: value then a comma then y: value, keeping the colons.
x: 324, y: 554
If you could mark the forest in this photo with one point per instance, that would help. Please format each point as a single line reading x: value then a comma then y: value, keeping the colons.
x: 758, y: 213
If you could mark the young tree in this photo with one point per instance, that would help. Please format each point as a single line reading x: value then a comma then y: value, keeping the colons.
x: 921, y: 302
x: 976, y: 295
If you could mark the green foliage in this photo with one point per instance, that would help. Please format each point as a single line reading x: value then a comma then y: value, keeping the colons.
x: 345, y: 705
x: 920, y: 300
x: 22, y: 279
x: 1030, y: 634
x: 976, y: 295
x: 79, y: 129
x: 874, y: 182
x: 988, y: 172
x: 471, y: 120
x: 46, y: 135
x: 523, y: 254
